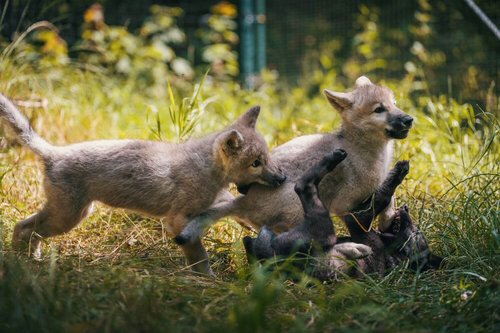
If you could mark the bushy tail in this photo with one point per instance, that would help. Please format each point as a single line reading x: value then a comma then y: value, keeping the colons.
x: 22, y: 128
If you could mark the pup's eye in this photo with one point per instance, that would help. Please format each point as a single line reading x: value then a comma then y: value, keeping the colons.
x: 256, y: 163
x: 380, y: 109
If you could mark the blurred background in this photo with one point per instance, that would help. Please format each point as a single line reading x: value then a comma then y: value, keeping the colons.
x: 444, y: 46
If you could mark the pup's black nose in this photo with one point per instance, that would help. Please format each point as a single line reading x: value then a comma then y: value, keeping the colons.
x: 407, y: 121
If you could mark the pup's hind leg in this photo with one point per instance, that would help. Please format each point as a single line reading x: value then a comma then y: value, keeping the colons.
x: 25, y: 235
x: 317, y: 225
x: 386, y: 216
x: 384, y: 198
x: 61, y: 213
x: 393, y: 179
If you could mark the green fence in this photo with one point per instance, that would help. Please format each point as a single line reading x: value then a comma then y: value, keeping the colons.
x: 457, y: 53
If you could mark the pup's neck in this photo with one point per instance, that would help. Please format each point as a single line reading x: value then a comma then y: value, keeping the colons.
x: 365, y: 142
x: 205, y: 156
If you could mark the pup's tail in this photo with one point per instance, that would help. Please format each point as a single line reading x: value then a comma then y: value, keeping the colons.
x: 22, y: 128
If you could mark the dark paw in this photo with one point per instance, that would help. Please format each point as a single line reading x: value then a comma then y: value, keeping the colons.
x: 180, y: 240
x: 339, y: 154
x: 402, y: 168
x: 248, y: 244
x: 335, y: 158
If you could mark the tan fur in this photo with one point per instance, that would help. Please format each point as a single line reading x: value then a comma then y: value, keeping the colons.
x: 173, y: 181
x: 365, y: 135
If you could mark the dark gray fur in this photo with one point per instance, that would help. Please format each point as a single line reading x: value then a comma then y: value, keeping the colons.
x: 326, y: 256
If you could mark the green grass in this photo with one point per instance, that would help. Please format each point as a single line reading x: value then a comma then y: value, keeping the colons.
x: 119, y: 272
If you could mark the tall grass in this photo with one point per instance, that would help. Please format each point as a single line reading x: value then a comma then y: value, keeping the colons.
x: 121, y: 272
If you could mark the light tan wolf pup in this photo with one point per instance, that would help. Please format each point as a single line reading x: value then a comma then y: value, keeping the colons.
x: 370, y: 122
x: 173, y: 181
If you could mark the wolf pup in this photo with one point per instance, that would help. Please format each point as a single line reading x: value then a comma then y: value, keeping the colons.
x: 172, y: 181
x: 370, y: 122
x: 326, y: 256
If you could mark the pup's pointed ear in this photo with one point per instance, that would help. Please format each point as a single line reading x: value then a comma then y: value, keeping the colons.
x: 249, y: 118
x: 338, y: 100
x: 233, y: 140
x: 362, y: 81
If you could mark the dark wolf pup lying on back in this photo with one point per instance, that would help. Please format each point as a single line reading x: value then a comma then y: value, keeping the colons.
x: 172, y: 181
x: 324, y: 255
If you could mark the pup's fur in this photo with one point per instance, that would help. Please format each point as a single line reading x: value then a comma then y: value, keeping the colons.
x: 315, y: 236
x: 173, y: 181
x: 370, y: 120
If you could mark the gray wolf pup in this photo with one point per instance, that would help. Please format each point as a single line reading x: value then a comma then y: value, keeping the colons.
x: 173, y: 181
x: 323, y: 255
x: 370, y: 122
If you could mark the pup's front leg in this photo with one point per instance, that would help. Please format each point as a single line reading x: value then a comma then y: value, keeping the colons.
x: 195, y: 253
x: 222, y: 206
x: 197, y: 257
x: 195, y: 228
x: 387, y: 215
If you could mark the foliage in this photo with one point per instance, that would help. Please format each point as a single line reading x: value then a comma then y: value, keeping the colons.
x: 147, y: 56
x: 442, y: 44
x: 220, y: 39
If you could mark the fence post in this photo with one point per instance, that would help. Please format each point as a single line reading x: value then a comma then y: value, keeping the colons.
x: 247, y: 43
x: 260, y: 9
x: 252, y: 40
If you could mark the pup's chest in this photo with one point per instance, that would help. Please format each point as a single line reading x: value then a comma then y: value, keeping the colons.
x: 353, y: 183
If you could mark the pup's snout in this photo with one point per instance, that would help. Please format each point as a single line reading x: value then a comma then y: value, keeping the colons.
x: 274, y: 176
x: 281, y: 176
x: 407, y: 121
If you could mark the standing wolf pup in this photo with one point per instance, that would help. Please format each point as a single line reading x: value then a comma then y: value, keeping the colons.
x: 370, y: 121
x: 173, y: 181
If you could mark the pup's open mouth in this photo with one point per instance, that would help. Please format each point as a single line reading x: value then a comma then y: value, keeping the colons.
x: 397, y: 134
x: 243, y: 189
x: 396, y: 222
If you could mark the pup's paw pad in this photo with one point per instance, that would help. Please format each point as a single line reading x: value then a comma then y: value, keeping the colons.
x: 353, y: 250
x: 402, y: 168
